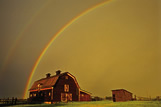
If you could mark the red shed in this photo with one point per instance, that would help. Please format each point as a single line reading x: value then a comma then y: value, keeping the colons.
x: 85, y: 96
x: 60, y: 87
x: 121, y: 95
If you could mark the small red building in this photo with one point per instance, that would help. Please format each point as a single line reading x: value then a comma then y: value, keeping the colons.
x: 121, y: 95
x: 60, y: 87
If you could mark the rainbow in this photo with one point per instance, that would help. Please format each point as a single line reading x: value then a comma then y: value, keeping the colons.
x: 54, y: 38
x: 19, y: 37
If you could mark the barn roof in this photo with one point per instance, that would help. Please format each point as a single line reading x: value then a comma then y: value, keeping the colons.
x: 121, y: 90
x: 50, y: 81
x: 45, y: 82
x: 85, y: 92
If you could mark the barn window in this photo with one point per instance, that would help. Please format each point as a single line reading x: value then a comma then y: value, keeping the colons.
x: 66, y: 88
x: 30, y: 95
x: 35, y: 95
x: 39, y: 86
x: 49, y: 93
x: 82, y: 95
x: 66, y: 77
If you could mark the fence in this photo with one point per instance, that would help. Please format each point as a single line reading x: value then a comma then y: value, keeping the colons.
x: 12, y: 101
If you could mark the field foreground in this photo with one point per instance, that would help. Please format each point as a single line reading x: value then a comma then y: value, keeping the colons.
x: 98, y: 104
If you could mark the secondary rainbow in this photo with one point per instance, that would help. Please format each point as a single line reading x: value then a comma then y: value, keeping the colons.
x: 54, y: 38
x: 12, y: 49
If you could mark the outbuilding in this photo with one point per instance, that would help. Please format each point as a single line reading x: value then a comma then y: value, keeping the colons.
x: 121, y: 95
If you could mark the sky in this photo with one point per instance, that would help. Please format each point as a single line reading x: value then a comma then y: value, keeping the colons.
x: 116, y: 45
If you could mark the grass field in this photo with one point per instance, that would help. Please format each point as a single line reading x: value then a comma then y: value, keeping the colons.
x: 98, y: 104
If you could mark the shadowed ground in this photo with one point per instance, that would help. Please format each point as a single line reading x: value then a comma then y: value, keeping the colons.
x: 99, y: 104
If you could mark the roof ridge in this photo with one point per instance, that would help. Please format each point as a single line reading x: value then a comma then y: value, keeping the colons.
x: 46, y: 78
x: 121, y: 89
x: 52, y: 76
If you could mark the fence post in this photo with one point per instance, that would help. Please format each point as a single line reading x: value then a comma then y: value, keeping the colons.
x: 15, y: 100
x: 12, y: 100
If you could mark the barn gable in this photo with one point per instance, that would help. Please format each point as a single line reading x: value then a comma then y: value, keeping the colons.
x: 73, y: 79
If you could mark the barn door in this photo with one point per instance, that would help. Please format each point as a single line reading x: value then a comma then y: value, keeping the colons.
x: 114, y: 99
x: 65, y: 97
x: 69, y: 97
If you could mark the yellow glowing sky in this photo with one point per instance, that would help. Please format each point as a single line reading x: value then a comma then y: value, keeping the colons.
x: 117, y: 45
x: 114, y: 46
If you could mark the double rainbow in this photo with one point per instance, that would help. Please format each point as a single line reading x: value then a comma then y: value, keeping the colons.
x: 54, y: 38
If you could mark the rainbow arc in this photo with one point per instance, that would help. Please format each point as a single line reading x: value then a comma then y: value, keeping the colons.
x: 54, y: 38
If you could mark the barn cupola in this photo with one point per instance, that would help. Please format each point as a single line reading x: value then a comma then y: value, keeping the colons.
x: 58, y: 72
x: 48, y: 75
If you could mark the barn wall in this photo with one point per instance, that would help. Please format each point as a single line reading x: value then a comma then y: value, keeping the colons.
x: 121, y: 95
x: 47, y: 95
x: 33, y: 96
x: 59, y: 88
x: 128, y: 96
x: 40, y: 95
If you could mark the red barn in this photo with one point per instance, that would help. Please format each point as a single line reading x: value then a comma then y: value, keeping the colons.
x: 60, y: 87
x: 121, y: 95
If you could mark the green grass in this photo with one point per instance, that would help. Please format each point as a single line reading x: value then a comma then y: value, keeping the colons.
x: 98, y: 104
